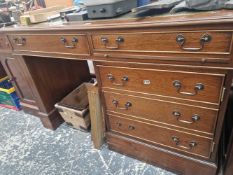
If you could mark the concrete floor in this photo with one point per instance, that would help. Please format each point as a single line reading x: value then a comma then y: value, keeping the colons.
x: 26, y: 148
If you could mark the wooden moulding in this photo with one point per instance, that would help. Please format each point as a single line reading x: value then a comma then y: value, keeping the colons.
x: 52, y: 120
x: 96, y: 114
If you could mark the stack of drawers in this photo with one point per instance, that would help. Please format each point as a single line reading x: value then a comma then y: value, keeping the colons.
x: 161, y: 114
x: 163, y: 108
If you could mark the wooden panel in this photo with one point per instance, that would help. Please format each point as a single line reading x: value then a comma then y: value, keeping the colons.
x: 4, y: 44
x: 160, y: 157
x: 161, y: 82
x: 97, y: 119
x: 220, y: 42
x: 15, y: 72
x: 148, y: 132
x: 48, y: 43
x: 163, y: 112
x: 56, y: 78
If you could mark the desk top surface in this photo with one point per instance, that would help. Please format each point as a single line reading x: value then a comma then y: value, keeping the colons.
x: 211, y: 17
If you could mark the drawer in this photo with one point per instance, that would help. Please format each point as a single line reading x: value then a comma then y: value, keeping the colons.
x: 174, y: 139
x: 4, y: 44
x: 204, y: 42
x: 169, y: 113
x: 202, y: 87
x: 56, y: 43
x: 177, y: 163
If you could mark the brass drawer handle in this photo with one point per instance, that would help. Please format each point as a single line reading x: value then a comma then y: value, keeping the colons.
x: 131, y: 127
x: 118, y: 41
x: 127, y: 105
x: 194, y: 118
x: 20, y: 41
x: 74, y: 42
x: 190, y: 146
x: 180, y: 39
x: 112, y: 79
x: 118, y: 124
x: 178, y: 85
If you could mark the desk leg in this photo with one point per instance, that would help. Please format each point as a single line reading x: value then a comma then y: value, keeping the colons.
x: 96, y: 113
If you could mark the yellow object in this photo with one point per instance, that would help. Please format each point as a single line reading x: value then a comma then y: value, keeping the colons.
x: 8, y: 91
x: 3, y: 79
x: 25, y: 20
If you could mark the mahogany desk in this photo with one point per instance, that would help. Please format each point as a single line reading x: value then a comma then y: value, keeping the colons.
x: 164, y: 81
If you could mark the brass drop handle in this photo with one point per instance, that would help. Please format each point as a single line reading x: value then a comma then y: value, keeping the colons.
x: 118, y: 40
x: 118, y: 124
x: 74, y: 42
x: 131, y: 128
x: 126, y: 106
x: 178, y: 85
x: 190, y: 146
x: 194, y: 118
x: 180, y: 39
x: 124, y: 79
x: 20, y: 41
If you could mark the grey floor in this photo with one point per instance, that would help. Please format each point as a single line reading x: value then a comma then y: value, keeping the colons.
x: 26, y: 148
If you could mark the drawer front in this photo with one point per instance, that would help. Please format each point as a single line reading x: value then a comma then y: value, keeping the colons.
x: 4, y: 44
x: 174, y: 42
x: 191, y: 144
x: 67, y: 44
x: 173, y: 114
x: 185, y: 85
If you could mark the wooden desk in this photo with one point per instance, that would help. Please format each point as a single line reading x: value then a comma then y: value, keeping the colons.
x: 164, y: 81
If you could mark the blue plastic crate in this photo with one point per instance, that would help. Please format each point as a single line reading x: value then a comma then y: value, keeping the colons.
x: 8, y: 96
x: 5, y: 83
